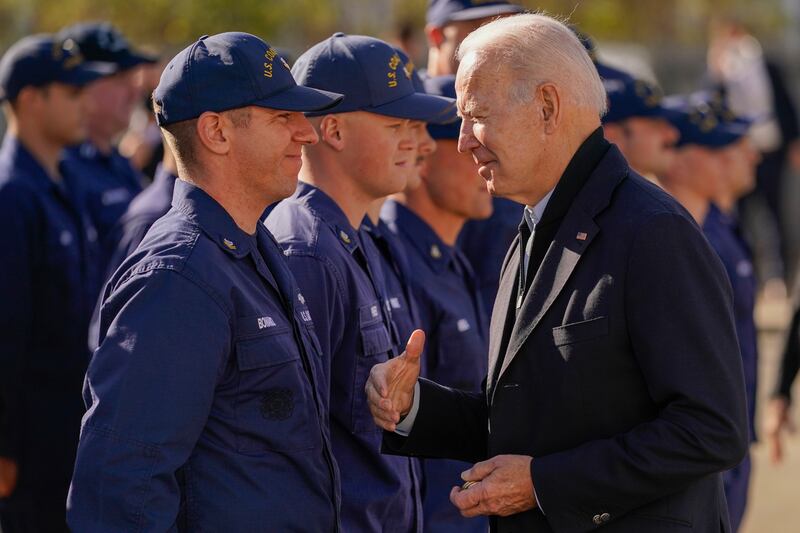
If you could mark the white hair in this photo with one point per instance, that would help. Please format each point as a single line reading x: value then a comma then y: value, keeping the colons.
x: 543, y: 50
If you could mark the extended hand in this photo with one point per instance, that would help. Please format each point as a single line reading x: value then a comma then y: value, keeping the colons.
x: 776, y: 421
x: 390, y: 387
x: 504, y: 487
x: 8, y: 477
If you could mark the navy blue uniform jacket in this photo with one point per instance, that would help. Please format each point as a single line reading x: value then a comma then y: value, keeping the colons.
x: 620, y: 374
x: 203, y: 413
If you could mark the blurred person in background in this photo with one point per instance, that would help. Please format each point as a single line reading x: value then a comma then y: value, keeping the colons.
x: 108, y: 182
x: 141, y: 143
x: 715, y: 161
x: 428, y: 219
x: 47, y: 283
x: 484, y: 242
x: 753, y: 87
x: 637, y: 123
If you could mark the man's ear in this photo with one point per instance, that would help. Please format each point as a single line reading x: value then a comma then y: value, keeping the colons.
x: 332, y: 131
x: 551, y: 106
x: 434, y: 35
x: 213, y: 132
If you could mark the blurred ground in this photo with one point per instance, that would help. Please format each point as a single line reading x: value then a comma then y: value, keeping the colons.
x: 774, y: 502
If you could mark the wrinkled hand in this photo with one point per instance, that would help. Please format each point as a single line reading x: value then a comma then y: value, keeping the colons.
x: 8, y: 477
x: 776, y: 422
x: 390, y: 387
x: 504, y: 487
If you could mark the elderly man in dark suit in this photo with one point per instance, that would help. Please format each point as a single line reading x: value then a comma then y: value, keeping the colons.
x: 615, y: 393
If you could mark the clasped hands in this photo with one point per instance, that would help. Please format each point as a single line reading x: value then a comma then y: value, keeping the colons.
x: 502, y: 485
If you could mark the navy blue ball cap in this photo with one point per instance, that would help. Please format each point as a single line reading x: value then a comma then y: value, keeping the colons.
x: 38, y: 60
x: 229, y: 71
x: 698, y: 125
x: 629, y: 97
x: 443, y: 86
x: 371, y: 75
x: 100, y: 41
x: 440, y: 12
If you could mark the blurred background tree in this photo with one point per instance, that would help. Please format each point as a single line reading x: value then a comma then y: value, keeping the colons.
x: 661, y: 39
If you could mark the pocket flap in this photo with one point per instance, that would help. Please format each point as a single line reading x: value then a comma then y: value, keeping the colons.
x: 268, y: 350
x: 580, y: 331
x: 375, y: 340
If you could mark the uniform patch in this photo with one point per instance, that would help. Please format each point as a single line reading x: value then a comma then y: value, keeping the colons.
x: 66, y: 238
x: 306, y: 316
x: 277, y: 404
x: 395, y: 303
x: 374, y: 311
x: 744, y: 268
x: 463, y: 325
x: 266, y: 322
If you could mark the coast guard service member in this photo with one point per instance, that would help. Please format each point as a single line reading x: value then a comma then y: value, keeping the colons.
x: 203, y: 408
x: 365, y: 151
x: 47, y: 285
x: 700, y: 174
x: 428, y: 219
x: 106, y: 178
x: 638, y: 123
x: 396, y: 271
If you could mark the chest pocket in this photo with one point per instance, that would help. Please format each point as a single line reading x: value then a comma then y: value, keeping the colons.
x: 458, y: 355
x: 376, y: 344
x: 274, y: 403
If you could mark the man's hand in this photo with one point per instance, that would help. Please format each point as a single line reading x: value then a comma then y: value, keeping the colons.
x: 776, y: 422
x: 390, y: 387
x: 503, y: 487
x: 8, y: 477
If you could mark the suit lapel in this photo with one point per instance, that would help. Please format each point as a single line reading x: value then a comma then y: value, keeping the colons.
x: 575, y: 234
x: 577, y: 230
x: 506, y: 292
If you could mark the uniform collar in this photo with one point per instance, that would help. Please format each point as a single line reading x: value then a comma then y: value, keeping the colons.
x: 329, y: 212
x: 17, y: 157
x: 433, y: 250
x: 212, y: 218
x: 163, y: 176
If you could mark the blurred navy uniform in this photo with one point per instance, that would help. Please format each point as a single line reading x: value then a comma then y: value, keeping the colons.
x: 339, y: 269
x: 107, y: 179
x: 204, y: 412
x: 47, y: 291
x: 456, y: 347
x: 148, y: 206
x: 701, y: 126
x: 396, y: 294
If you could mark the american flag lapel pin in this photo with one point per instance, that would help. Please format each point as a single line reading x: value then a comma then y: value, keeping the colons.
x: 581, y: 236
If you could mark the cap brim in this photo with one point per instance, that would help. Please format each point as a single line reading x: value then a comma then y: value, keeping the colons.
x: 87, y: 73
x: 418, y: 106
x: 474, y: 13
x: 133, y: 59
x: 301, y: 98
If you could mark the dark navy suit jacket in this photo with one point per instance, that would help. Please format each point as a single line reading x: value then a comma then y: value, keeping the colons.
x: 620, y: 375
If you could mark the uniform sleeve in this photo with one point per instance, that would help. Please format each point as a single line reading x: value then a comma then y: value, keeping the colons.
x: 18, y: 220
x: 150, y: 387
x: 681, y: 329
